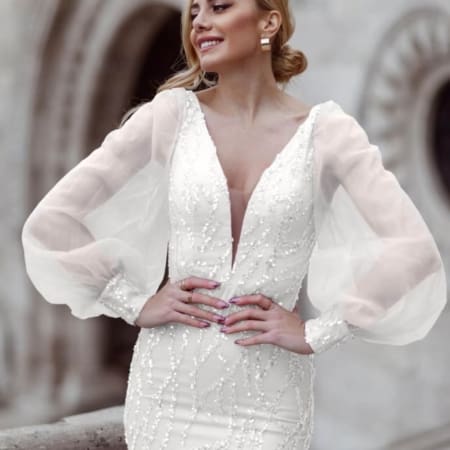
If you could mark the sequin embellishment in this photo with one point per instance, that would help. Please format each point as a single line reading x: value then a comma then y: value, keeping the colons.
x: 123, y: 297
x: 326, y: 331
x: 195, y: 388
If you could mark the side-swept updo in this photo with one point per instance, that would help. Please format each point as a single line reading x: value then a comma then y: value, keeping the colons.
x: 286, y: 61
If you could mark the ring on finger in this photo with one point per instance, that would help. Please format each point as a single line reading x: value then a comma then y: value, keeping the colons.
x: 270, y: 303
x: 189, y: 299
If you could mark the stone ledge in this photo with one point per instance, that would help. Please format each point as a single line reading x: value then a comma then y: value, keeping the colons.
x: 98, y: 429
x: 103, y: 429
x: 435, y: 439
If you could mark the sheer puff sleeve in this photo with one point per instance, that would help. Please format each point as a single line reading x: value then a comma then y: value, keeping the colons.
x: 375, y: 271
x: 98, y: 240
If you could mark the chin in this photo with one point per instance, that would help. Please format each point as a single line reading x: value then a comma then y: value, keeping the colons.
x: 217, y: 64
x: 211, y: 67
x: 220, y: 62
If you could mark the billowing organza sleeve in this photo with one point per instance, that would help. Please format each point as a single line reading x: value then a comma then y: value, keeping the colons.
x: 98, y: 240
x: 375, y: 271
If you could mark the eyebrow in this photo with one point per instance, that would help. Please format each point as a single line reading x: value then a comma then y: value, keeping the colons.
x: 195, y: 5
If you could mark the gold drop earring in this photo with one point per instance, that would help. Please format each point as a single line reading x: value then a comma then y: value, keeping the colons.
x: 265, y: 44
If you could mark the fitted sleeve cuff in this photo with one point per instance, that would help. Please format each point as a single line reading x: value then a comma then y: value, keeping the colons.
x: 327, y: 331
x: 123, y: 297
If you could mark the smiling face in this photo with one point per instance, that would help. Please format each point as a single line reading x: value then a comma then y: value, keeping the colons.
x: 225, y: 33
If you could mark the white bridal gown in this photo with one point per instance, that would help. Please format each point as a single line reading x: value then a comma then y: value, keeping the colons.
x: 325, y: 209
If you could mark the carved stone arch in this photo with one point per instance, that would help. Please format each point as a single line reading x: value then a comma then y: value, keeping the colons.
x: 90, y: 59
x: 90, y: 56
x: 405, y: 77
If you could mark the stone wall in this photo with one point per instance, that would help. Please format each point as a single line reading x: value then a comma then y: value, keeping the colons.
x: 370, y: 395
x: 100, y: 429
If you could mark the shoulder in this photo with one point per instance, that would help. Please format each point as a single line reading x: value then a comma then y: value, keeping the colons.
x: 339, y: 138
x: 335, y: 122
x: 296, y: 104
x: 169, y: 98
x: 294, y: 108
x: 166, y: 105
x: 331, y: 107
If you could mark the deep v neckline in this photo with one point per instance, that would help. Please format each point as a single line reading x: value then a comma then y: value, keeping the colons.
x: 258, y: 184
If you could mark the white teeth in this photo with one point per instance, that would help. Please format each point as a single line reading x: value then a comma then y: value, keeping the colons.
x: 207, y: 44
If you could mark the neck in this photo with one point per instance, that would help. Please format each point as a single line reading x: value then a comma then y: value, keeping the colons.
x: 245, y: 92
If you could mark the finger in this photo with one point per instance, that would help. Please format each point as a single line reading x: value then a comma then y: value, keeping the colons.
x: 262, y: 338
x: 246, y: 325
x: 197, y: 312
x: 255, y: 299
x: 185, y: 319
x: 199, y: 298
x: 187, y: 284
x: 248, y: 313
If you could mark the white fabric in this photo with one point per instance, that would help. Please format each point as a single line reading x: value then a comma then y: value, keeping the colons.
x: 375, y: 262
x: 326, y: 208
x: 375, y: 259
x: 107, y: 215
x: 197, y: 389
x: 327, y: 330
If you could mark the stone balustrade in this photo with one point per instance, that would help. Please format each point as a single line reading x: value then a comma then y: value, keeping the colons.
x: 102, y: 429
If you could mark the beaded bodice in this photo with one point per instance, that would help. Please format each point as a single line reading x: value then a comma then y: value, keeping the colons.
x: 277, y: 234
x: 198, y: 380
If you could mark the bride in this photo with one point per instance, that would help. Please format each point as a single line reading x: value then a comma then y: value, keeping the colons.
x: 200, y: 218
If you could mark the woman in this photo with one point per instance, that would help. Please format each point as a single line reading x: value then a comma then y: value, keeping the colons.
x: 247, y: 191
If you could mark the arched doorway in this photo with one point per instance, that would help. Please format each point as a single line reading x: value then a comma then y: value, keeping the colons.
x: 439, y: 135
x: 94, y: 60
x: 159, y: 56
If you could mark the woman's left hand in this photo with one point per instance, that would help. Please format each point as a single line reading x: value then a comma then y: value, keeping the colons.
x: 278, y: 326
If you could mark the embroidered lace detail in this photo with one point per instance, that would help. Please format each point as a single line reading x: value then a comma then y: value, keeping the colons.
x: 326, y: 331
x: 182, y: 377
x: 123, y: 297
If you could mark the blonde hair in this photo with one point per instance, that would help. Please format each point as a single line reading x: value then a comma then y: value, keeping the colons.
x: 286, y: 61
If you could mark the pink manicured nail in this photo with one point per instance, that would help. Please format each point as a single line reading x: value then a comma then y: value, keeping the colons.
x: 233, y: 299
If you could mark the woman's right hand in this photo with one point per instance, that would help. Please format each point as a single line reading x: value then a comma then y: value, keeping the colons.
x: 171, y: 304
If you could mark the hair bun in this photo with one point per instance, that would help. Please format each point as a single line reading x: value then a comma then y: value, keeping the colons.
x: 287, y: 63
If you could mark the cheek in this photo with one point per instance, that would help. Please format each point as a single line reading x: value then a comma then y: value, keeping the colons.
x: 243, y: 23
x: 192, y: 37
x: 241, y: 31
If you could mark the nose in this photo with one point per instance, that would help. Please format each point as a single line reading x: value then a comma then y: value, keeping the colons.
x: 201, y: 22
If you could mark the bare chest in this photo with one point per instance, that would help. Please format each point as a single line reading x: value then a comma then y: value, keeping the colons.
x: 244, y: 154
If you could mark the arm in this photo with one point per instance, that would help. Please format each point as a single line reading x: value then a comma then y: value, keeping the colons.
x: 376, y: 272
x: 97, y: 241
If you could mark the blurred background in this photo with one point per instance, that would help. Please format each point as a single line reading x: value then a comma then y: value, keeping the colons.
x: 70, y: 69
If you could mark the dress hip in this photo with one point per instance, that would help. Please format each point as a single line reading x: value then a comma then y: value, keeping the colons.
x: 196, y: 389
